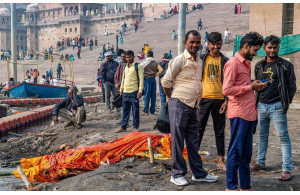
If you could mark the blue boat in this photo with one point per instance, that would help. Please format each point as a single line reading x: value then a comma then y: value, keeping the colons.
x: 26, y: 90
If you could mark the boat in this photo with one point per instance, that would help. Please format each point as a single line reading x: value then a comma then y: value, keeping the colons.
x: 29, y: 90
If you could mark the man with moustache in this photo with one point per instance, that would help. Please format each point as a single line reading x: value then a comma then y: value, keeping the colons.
x: 241, y: 110
x: 184, y: 74
x: 273, y: 103
x: 213, y: 100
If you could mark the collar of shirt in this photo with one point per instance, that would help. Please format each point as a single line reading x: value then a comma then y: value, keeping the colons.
x: 242, y: 59
x: 129, y: 65
x: 187, y: 55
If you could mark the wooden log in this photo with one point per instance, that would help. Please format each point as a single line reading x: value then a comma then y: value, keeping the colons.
x: 46, y: 134
x: 24, y: 178
x: 150, y: 150
x: 18, y: 135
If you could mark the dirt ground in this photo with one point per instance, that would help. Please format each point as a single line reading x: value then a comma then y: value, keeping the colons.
x: 137, y: 173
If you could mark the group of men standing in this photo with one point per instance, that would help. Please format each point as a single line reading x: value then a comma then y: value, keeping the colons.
x: 132, y: 81
x: 197, y: 86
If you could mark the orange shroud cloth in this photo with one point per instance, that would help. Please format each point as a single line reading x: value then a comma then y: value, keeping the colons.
x: 53, y: 168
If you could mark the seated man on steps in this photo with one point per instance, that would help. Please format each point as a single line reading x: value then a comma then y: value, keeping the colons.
x: 71, y: 109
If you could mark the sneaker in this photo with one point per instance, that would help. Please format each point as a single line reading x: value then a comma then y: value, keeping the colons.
x: 255, y: 167
x: 180, y: 181
x: 208, y: 178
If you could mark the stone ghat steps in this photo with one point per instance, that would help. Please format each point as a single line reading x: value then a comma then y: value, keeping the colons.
x: 21, y: 119
x: 45, y: 101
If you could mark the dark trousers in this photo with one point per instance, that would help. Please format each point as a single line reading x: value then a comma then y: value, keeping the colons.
x: 150, y: 94
x: 34, y: 80
x: 184, y: 127
x: 212, y: 106
x: 109, y: 89
x: 103, y: 93
x: 239, y: 153
x: 129, y: 100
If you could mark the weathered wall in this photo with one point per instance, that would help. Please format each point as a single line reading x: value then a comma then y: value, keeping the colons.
x: 266, y: 18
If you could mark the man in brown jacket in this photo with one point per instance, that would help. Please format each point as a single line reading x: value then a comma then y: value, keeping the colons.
x: 151, y: 70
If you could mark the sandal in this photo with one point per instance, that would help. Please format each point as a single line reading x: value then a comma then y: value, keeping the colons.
x: 120, y: 130
x: 285, y: 176
x: 221, y: 167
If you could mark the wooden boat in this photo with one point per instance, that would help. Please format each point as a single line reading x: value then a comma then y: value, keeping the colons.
x: 25, y: 90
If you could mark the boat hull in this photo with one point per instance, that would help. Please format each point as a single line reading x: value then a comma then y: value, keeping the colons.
x: 24, y: 90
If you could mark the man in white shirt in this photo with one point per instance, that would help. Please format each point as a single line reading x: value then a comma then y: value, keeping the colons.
x: 226, y: 36
x: 184, y: 74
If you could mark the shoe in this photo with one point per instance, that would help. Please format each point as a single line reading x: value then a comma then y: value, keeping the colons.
x: 69, y: 124
x: 78, y: 126
x: 180, y: 181
x: 286, y: 176
x: 120, y: 130
x: 208, y: 178
x: 256, y: 167
x: 135, y: 129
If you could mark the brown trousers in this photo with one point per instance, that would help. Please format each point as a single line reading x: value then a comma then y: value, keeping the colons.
x: 76, y: 119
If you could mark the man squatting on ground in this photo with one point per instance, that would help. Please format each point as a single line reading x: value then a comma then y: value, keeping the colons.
x: 131, y: 90
x: 185, y: 74
x: 71, y: 109
x: 213, y: 100
x: 241, y: 110
x: 273, y: 103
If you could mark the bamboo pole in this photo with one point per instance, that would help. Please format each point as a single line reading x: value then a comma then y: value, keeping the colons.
x: 8, y: 71
x: 64, y: 72
x: 23, y: 72
x: 150, y: 150
x: 24, y: 178
x: 70, y: 70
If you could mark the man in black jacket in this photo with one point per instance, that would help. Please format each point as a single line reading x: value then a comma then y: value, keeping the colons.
x: 71, y: 109
x: 213, y: 100
x: 107, y: 72
x: 273, y: 103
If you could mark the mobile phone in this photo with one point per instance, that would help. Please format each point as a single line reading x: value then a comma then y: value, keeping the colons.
x: 268, y: 82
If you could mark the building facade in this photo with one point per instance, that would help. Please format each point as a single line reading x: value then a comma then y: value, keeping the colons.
x: 42, y: 25
x: 280, y: 19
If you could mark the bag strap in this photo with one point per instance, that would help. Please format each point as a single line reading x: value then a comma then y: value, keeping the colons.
x: 136, y: 66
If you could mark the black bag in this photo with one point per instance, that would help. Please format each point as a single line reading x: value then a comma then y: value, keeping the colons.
x: 163, y: 122
x: 117, y: 101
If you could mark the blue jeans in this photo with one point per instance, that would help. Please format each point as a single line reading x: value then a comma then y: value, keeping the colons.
x: 162, y: 93
x: 150, y: 93
x: 239, y: 153
x: 273, y: 112
x: 129, y: 100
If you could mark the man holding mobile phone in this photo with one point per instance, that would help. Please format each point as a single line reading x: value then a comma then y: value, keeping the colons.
x: 273, y: 103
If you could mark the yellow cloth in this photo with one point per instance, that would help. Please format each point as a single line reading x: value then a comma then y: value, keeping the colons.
x: 147, y: 48
x: 185, y: 75
x: 211, y: 81
x: 130, y: 83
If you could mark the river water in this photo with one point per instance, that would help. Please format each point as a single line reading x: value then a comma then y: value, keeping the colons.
x: 10, y: 183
